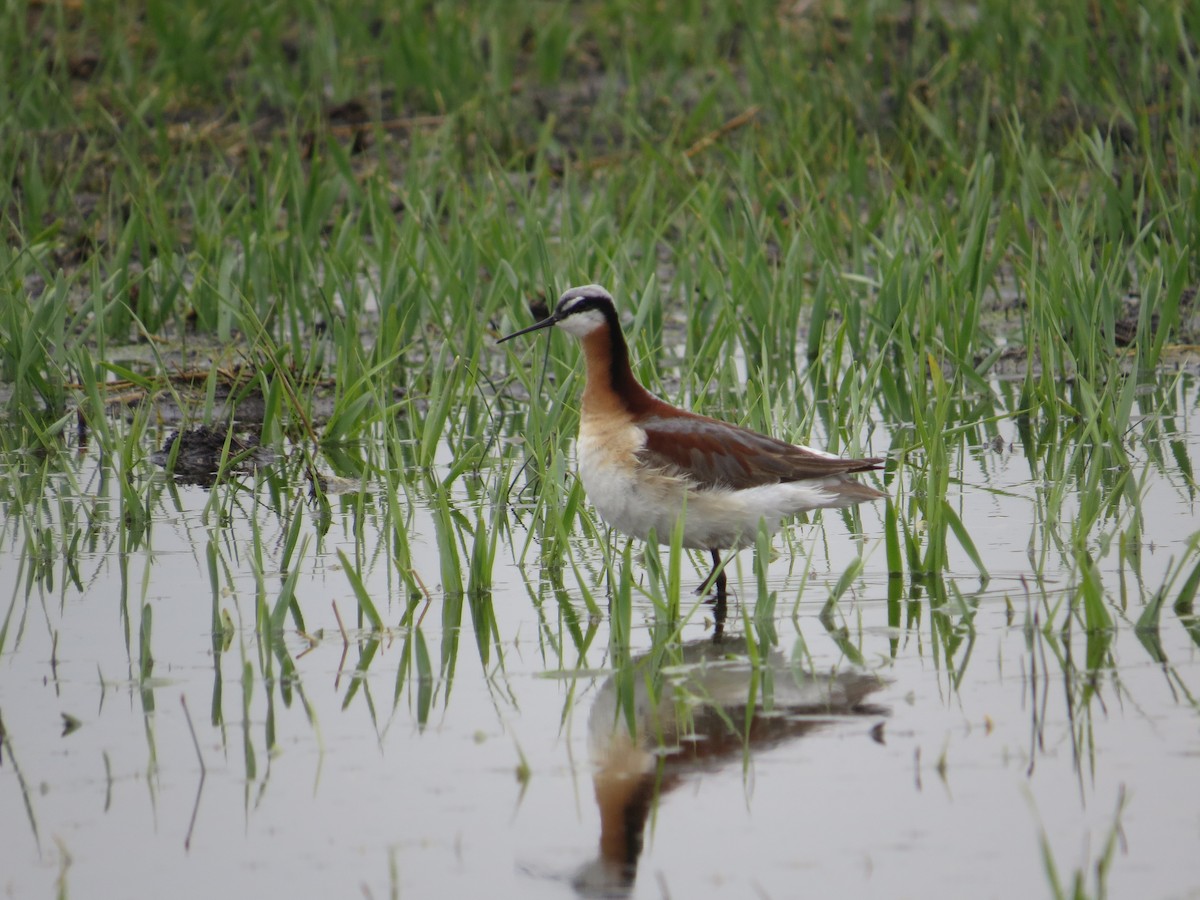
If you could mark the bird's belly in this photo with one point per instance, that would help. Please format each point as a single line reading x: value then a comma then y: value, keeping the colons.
x: 643, y: 503
x: 640, y: 502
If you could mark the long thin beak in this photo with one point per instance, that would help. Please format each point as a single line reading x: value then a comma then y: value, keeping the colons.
x: 545, y: 323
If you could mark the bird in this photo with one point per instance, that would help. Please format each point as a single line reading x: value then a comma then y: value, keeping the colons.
x: 645, y: 463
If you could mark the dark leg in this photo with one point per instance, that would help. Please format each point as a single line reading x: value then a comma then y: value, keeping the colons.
x: 716, y: 578
x: 720, y: 573
x: 713, y: 579
x: 719, y: 606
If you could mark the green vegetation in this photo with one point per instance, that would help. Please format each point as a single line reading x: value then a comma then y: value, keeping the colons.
x: 907, y: 230
x: 932, y: 217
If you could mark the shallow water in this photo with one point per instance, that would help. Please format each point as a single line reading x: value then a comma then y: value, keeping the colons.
x: 909, y: 746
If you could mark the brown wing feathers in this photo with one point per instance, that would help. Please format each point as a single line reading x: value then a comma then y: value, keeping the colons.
x: 716, y: 454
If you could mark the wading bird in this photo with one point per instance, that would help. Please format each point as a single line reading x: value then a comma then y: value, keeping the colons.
x: 640, y: 457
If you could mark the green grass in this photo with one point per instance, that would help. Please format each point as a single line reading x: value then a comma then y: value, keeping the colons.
x: 1082, y: 887
x: 900, y: 228
x: 889, y: 231
x: 867, y: 210
x: 870, y: 214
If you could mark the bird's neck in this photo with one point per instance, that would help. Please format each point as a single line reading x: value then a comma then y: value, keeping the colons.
x: 611, y: 385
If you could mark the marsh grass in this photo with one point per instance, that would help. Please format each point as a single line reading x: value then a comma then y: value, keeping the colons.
x: 898, y: 231
x: 1083, y: 883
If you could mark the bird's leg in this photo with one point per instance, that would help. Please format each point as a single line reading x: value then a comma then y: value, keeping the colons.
x: 720, y: 573
x: 704, y: 585
x: 719, y: 606
x: 716, y: 578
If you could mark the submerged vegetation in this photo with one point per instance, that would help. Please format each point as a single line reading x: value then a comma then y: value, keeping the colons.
x: 958, y: 235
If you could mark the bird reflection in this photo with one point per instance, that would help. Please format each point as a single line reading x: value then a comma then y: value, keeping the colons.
x: 701, y: 721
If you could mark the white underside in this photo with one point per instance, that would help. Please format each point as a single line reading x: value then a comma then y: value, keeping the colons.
x: 641, y: 502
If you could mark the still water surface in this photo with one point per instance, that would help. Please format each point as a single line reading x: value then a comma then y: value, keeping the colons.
x: 910, y: 747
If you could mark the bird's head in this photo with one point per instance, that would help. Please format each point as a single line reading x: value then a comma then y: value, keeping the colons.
x: 580, y: 311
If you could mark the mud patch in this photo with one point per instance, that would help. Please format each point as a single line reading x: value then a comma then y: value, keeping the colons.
x: 201, y: 455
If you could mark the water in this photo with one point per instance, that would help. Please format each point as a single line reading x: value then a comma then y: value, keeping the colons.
x: 911, y: 746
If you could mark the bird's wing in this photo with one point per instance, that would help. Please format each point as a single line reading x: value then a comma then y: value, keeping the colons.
x: 716, y: 454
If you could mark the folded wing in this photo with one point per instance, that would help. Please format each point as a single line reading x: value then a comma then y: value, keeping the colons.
x: 716, y: 454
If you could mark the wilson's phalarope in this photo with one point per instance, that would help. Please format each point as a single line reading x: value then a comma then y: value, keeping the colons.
x: 639, y: 457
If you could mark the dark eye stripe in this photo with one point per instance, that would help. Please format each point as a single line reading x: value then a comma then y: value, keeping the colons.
x: 580, y: 305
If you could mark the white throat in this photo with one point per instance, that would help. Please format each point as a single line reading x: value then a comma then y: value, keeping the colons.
x: 582, y: 324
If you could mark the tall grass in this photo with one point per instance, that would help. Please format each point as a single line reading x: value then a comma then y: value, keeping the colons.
x: 893, y: 230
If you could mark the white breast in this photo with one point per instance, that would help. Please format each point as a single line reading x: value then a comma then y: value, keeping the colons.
x: 638, y: 501
x: 627, y: 496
